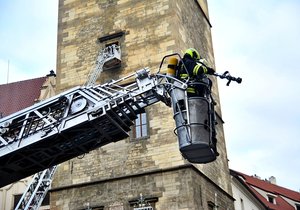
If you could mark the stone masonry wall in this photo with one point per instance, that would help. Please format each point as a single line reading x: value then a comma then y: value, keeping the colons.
x: 152, y: 29
x: 145, y: 42
x: 178, y: 189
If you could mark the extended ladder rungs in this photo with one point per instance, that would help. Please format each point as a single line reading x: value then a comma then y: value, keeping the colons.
x: 71, y: 124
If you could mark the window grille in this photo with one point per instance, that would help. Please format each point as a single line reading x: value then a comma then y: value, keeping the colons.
x: 140, y: 127
x: 143, y: 208
x: 142, y: 204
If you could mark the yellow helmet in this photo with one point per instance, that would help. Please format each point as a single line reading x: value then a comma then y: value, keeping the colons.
x: 192, y: 53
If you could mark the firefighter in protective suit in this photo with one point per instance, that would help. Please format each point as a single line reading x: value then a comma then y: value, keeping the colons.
x: 192, y: 66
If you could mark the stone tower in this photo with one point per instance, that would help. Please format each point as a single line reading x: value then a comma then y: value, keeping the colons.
x: 149, y: 162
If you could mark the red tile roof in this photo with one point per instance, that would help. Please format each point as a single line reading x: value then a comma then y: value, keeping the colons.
x: 280, y: 192
x: 19, y: 95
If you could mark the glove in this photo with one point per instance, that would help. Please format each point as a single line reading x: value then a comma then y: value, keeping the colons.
x: 210, y: 70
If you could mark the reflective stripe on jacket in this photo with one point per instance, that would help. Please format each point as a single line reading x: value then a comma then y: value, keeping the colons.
x: 193, y: 69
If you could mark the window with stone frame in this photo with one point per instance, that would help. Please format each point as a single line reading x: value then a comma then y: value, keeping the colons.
x: 140, y: 129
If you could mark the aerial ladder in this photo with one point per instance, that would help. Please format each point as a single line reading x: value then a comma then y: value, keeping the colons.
x: 88, y: 117
x: 108, y: 57
x: 37, y: 189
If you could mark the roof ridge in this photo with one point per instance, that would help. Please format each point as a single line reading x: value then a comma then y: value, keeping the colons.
x: 270, y: 187
x: 26, y: 80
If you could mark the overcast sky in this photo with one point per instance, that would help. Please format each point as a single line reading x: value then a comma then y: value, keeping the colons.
x: 256, y: 40
x: 260, y: 41
x: 28, y: 34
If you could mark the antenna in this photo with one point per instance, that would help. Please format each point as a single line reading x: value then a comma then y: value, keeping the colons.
x: 7, y: 72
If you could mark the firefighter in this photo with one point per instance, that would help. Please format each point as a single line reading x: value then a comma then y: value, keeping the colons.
x: 193, y: 67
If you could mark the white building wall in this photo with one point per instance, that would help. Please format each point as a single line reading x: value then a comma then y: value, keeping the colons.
x: 8, y: 192
x: 243, y: 199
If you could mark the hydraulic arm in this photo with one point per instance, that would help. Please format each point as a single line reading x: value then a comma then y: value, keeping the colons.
x: 85, y: 118
x: 36, y: 139
x: 75, y: 122
x: 33, y: 196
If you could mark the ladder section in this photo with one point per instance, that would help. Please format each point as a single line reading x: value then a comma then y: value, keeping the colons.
x: 74, y: 123
x: 32, y: 199
x: 35, y: 193
x: 108, y: 57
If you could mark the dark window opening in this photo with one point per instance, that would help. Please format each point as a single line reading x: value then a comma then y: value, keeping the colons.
x: 113, y: 50
x: 271, y: 199
x: 17, y: 199
x: 46, y: 200
x: 210, y: 205
x: 106, y: 38
x: 98, y: 208
x: 112, y: 43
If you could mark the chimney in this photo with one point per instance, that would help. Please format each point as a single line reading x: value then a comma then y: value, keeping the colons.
x: 256, y: 176
x: 51, y: 74
x: 272, y: 179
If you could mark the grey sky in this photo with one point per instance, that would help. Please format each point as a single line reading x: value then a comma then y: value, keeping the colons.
x: 257, y: 40
x: 28, y: 38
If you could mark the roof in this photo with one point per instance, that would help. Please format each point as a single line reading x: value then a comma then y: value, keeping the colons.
x: 19, y: 95
x: 281, y: 193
